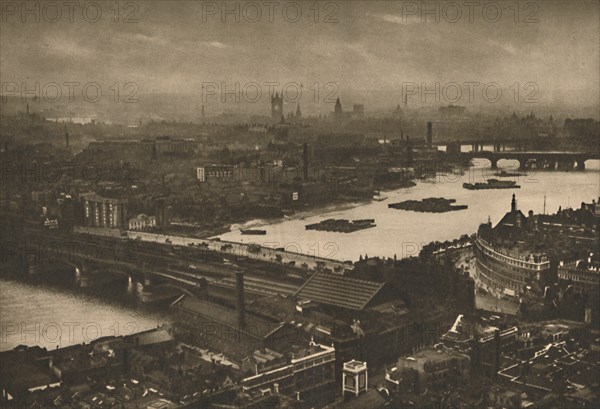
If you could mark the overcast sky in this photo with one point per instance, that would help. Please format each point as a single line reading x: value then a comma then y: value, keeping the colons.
x: 373, y: 46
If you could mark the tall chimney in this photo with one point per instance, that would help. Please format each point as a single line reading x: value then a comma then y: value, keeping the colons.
x: 429, y: 135
x: 66, y: 137
x: 497, y: 350
x: 241, y: 308
x: 305, y: 163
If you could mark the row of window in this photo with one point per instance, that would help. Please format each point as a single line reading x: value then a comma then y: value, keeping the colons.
x: 512, y: 261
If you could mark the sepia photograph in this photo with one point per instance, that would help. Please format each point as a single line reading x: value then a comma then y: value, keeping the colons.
x: 303, y: 204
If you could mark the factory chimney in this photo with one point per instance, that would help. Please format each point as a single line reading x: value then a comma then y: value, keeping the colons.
x: 66, y: 137
x: 429, y: 135
x: 241, y: 308
x: 497, y: 351
x: 305, y: 162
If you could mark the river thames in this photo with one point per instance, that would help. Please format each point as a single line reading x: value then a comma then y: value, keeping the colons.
x: 403, y: 233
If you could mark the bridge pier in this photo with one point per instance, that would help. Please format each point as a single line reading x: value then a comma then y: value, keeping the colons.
x: 565, y: 165
x: 580, y: 165
x: 522, y: 164
x: 494, y: 163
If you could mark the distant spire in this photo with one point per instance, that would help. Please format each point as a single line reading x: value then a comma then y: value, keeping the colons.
x: 544, y: 204
x: 338, y: 106
x: 513, y: 204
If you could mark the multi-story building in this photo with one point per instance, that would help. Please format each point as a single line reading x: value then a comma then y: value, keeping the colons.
x: 431, y: 368
x: 506, y: 269
x: 220, y: 172
x: 308, y: 371
x: 141, y: 222
x: 101, y: 211
x: 166, y: 144
x: 355, y: 377
x: 584, y: 275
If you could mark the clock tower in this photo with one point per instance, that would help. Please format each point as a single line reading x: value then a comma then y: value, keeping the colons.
x: 276, y: 107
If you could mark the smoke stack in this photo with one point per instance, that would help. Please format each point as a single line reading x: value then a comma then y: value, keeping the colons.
x: 239, y: 275
x: 66, y: 137
x: 497, y: 351
x: 429, y: 135
x: 305, y: 163
x: 202, y: 111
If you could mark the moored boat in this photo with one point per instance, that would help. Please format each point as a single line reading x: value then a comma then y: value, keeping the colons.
x: 254, y: 232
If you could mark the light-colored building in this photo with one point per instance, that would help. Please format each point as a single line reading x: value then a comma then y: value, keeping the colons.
x: 309, y: 369
x: 200, y: 174
x: 220, y: 172
x: 101, y: 211
x: 141, y: 222
x: 355, y: 377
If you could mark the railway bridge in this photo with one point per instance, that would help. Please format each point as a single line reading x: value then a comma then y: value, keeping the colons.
x: 540, y: 160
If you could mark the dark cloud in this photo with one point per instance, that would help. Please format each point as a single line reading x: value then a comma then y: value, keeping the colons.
x: 375, y: 45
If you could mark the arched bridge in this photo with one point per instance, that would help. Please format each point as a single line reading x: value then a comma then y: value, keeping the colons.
x: 542, y: 160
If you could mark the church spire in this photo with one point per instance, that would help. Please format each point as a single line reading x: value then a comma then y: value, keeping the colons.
x: 338, y: 108
x: 513, y: 204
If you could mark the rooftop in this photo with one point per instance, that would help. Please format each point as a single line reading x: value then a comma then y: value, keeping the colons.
x: 433, y: 355
x: 355, y: 365
x: 339, y: 291
x: 255, y: 327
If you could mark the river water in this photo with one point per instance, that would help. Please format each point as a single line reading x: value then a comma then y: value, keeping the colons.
x: 50, y: 316
x: 403, y: 233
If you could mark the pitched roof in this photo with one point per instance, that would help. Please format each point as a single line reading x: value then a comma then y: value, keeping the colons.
x: 511, y: 219
x: 339, y: 291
